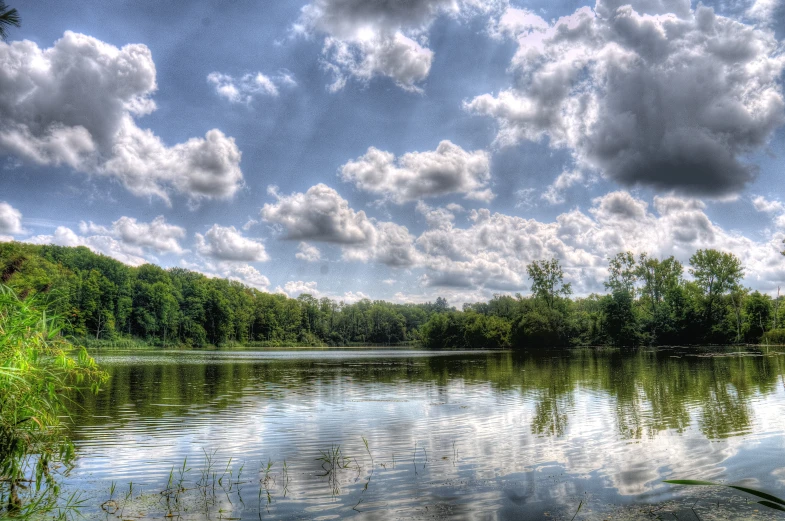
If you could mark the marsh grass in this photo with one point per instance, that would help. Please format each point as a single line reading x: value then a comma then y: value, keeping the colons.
x: 39, y: 370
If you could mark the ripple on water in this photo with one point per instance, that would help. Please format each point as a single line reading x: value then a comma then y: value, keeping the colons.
x: 456, y: 435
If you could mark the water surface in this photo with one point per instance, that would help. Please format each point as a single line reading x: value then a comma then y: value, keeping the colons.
x: 450, y: 435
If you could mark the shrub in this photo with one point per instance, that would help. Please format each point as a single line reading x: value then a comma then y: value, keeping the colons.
x: 38, y: 371
x: 775, y: 336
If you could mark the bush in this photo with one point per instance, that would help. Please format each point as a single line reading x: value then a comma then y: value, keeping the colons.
x: 775, y: 336
x: 38, y: 368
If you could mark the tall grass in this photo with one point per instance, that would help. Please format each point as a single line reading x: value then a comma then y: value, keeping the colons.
x: 39, y: 369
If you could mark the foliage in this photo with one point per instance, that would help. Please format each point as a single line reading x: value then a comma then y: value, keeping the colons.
x: 774, y: 337
x: 37, y: 368
x: 8, y: 18
x: 548, y: 281
x: 107, y: 303
x: 649, y: 303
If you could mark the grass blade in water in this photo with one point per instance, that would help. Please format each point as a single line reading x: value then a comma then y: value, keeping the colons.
x: 768, y: 499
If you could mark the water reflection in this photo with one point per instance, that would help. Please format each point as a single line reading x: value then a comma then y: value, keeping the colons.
x: 458, y: 435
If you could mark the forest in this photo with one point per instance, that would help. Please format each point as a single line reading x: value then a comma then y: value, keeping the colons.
x: 648, y: 301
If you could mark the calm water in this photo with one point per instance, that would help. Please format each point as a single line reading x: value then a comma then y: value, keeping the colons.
x: 475, y: 435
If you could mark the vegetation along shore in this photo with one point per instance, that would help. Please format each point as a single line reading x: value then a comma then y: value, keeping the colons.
x: 648, y: 301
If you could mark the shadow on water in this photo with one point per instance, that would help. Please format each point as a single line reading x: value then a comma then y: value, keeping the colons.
x: 413, y: 434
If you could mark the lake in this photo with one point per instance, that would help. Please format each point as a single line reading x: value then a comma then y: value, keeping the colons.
x: 410, y: 434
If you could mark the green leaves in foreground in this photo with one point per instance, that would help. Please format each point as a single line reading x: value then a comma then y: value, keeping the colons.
x: 768, y: 500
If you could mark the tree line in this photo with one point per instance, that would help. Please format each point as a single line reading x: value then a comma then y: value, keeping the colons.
x: 104, y: 301
x: 649, y: 301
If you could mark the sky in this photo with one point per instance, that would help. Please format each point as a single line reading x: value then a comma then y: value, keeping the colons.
x: 397, y: 149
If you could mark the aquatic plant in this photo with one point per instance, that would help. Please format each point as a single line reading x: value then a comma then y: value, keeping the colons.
x: 38, y: 370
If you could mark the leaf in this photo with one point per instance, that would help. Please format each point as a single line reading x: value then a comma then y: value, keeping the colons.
x: 758, y: 493
x: 769, y: 504
x: 769, y: 500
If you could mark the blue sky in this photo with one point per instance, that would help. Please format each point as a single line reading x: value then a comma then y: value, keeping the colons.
x: 396, y: 150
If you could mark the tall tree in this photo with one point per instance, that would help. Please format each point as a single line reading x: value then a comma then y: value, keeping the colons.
x: 548, y: 281
x: 622, y: 273
x: 716, y: 273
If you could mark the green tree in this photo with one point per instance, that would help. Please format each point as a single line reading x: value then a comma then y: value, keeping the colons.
x: 547, y: 279
x: 658, y: 277
x: 716, y: 273
x: 622, y: 273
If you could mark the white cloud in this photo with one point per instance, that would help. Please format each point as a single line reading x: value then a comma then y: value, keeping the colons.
x: 157, y: 235
x: 417, y: 175
x: 435, y: 217
x: 763, y: 10
x: 762, y: 204
x: 525, y: 198
x: 248, y: 275
x: 10, y: 219
x: 368, y: 39
x: 126, y: 240
x: 228, y: 244
x: 649, y: 93
x: 295, y: 288
x: 352, y: 297
x: 554, y: 193
x: 774, y: 208
x: 103, y: 244
x: 308, y: 253
x: 74, y: 104
x: 243, y: 89
x: 494, y: 251
x: 321, y: 214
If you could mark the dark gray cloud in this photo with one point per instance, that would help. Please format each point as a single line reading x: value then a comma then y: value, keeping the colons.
x: 651, y: 94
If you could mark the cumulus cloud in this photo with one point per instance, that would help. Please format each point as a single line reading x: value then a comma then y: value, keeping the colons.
x: 319, y: 214
x: 103, y: 244
x: 435, y: 217
x: 554, y: 194
x: 493, y: 252
x: 322, y: 215
x: 246, y: 274
x: 775, y: 209
x: 243, y: 89
x: 367, y: 39
x: 308, y: 253
x: 650, y: 93
x: 10, y: 219
x: 74, y: 104
x: 157, y: 235
x: 126, y: 240
x: 295, y: 288
x: 763, y: 10
x: 226, y: 243
x: 762, y: 204
x: 417, y: 175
